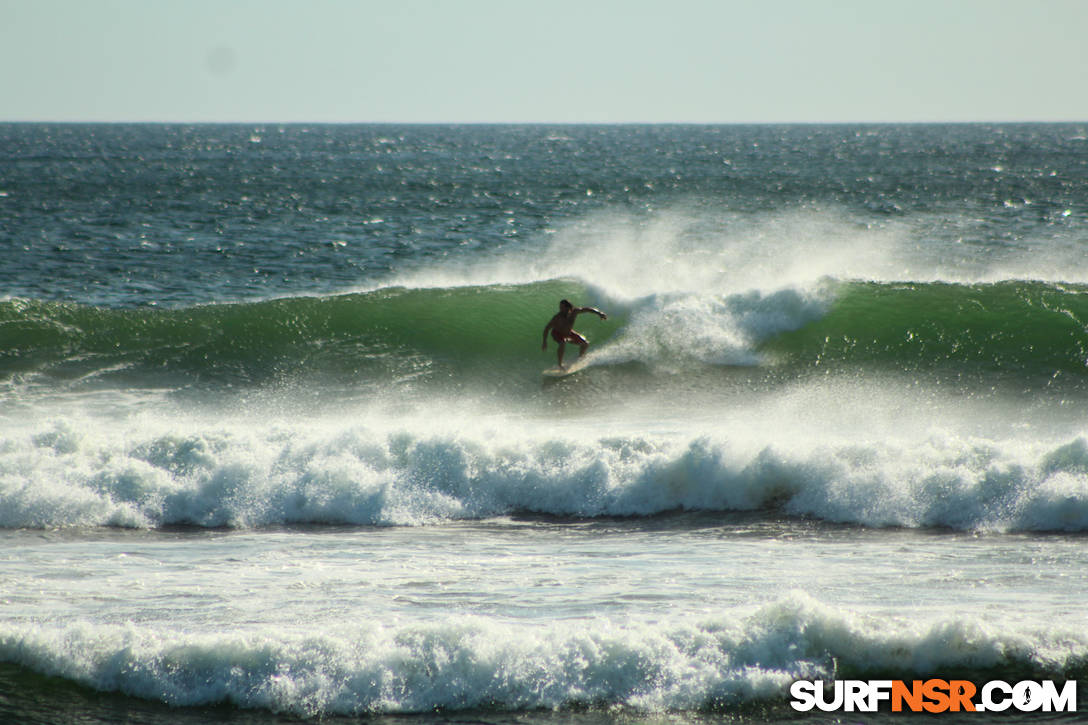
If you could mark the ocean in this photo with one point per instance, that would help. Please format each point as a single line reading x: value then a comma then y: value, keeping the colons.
x: 276, y: 447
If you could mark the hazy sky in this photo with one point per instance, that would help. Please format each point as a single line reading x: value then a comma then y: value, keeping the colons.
x: 544, y: 60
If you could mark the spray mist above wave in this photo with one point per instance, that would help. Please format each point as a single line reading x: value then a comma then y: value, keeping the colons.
x: 701, y: 248
x: 626, y: 256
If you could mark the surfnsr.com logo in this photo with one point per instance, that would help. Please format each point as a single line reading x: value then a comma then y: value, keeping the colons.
x: 934, y: 696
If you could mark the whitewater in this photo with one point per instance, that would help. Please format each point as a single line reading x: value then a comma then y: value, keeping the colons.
x: 299, y: 461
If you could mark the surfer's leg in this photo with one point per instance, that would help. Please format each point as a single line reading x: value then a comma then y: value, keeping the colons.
x: 562, y: 345
x: 580, y: 341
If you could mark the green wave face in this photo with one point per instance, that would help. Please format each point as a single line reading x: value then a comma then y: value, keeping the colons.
x: 1013, y: 328
x: 1026, y: 332
x: 388, y: 332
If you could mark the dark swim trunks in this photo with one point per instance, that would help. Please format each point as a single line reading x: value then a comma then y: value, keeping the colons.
x: 571, y: 336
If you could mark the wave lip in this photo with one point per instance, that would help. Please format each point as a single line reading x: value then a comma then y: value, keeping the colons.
x: 472, y: 663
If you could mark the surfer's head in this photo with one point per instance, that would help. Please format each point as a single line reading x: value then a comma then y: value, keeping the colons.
x: 565, y: 306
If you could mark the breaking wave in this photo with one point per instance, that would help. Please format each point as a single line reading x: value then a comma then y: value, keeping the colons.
x: 472, y: 663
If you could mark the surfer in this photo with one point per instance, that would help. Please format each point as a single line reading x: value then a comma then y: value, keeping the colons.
x: 562, y: 327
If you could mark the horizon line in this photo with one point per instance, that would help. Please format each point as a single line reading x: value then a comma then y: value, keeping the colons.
x: 267, y: 122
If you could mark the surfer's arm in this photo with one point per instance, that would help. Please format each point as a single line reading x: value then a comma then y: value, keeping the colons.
x: 544, y: 342
x: 594, y: 310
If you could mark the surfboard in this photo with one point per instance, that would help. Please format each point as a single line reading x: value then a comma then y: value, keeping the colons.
x: 564, y: 372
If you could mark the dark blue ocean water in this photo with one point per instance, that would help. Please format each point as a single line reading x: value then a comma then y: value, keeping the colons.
x: 124, y: 215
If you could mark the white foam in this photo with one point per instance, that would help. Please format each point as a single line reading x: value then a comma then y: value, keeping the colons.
x: 690, y: 251
x: 462, y: 662
x: 798, y: 452
x: 671, y: 330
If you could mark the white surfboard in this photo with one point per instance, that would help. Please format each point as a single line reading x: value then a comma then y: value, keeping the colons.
x: 564, y: 372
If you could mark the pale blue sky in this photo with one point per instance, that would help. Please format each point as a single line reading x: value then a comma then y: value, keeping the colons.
x: 706, y: 61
